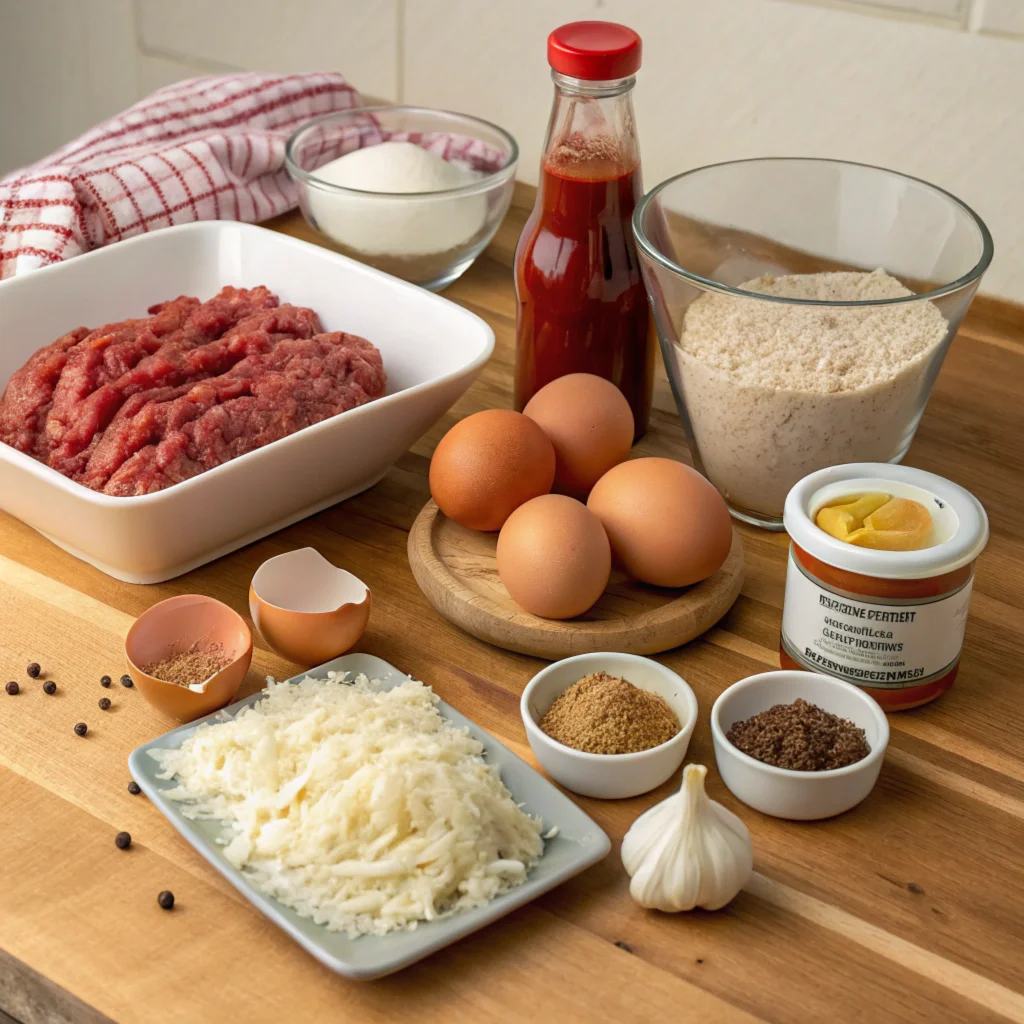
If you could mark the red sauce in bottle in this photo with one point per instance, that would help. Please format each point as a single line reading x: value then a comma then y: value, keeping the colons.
x: 582, y: 304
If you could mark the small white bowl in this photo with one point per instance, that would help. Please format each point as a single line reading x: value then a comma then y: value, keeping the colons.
x: 782, y: 792
x: 608, y: 776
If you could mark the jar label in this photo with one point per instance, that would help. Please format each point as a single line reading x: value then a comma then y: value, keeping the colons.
x: 881, y: 644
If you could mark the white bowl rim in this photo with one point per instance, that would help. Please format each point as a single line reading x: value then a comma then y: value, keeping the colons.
x: 534, y: 730
x: 652, y: 252
x: 876, y: 753
x: 484, y: 184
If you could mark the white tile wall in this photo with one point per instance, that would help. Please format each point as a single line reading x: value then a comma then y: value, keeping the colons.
x: 722, y: 79
x: 155, y: 72
x: 1002, y: 16
x: 357, y: 37
x: 952, y: 10
x: 63, y: 66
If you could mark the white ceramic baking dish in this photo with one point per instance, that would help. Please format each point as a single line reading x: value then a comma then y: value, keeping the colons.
x: 432, y: 350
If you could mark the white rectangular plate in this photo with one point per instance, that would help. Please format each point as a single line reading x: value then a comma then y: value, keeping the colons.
x: 580, y: 842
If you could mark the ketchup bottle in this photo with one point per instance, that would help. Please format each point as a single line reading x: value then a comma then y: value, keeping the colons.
x: 582, y: 306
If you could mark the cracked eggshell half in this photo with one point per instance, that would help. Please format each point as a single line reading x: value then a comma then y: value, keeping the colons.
x: 306, y: 608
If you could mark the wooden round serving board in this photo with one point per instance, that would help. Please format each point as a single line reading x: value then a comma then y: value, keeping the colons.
x: 457, y: 571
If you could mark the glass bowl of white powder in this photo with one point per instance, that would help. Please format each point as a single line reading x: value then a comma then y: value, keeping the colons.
x: 415, y: 192
x: 804, y: 308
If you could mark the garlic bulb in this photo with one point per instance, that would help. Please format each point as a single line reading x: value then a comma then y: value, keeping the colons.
x: 687, y: 851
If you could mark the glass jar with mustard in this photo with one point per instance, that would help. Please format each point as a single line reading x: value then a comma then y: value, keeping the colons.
x: 878, y: 584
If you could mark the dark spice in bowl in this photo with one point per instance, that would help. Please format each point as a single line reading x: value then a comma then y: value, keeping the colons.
x: 801, y: 737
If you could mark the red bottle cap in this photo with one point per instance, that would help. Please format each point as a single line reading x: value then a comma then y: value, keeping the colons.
x: 595, y: 50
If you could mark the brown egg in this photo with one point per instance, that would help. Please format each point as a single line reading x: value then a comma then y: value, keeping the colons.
x: 667, y: 525
x: 487, y: 465
x: 590, y: 424
x: 554, y: 557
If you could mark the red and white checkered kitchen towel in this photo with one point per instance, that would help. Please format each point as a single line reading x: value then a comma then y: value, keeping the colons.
x: 203, y: 149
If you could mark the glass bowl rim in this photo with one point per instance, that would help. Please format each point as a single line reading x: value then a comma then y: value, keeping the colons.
x: 706, y: 284
x: 470, y: 188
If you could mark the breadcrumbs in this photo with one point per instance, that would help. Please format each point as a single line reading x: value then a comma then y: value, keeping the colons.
x: 777, y: 390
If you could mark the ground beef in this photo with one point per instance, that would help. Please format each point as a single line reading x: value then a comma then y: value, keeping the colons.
x: 29, y: 394
x: 99, y: 373
x: 180, y: 363
x: 264, y: 398
x: 136, y: 406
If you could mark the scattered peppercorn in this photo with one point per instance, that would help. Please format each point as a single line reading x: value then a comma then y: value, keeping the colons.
x: 33, y: 670
x: 49, y: 686
x: 12, y: 688
x: 126, y: 680
x: 166, y: 899
x: 104, y: 680
x: 801, y: 737
x: 81, y: 729
x: 104, y: 703
x: 133, y: 788
x: 123, y: 840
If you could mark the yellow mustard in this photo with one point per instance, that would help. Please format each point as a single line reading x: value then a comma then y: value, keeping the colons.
x: 878, y: 521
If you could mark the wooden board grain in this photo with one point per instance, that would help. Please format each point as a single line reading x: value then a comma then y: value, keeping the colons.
x: 456, y: 568
x: 908, y: 909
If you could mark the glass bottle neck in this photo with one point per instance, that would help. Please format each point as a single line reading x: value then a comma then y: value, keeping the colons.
x: 592, y: 131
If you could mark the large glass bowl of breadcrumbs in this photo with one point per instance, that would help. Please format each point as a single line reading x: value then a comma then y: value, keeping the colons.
x: 804, y: 308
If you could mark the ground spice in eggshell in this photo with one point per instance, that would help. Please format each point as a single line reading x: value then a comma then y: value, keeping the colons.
x: 601, y: 714
x: 800, y: 736
x: 186, y: 668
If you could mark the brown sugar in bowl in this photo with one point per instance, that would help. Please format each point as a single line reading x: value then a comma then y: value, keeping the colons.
x: 175, y: 625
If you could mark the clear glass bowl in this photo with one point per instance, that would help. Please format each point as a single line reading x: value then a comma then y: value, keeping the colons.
x: 773, y: 387
x: 429, y: 238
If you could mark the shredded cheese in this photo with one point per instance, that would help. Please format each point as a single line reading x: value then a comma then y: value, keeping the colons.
x: 361, y: 808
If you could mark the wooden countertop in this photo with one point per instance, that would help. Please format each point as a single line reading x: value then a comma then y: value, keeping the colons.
x: 908, y: 908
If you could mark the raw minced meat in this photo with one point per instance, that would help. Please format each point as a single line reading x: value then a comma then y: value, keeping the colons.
x: 136, y: 406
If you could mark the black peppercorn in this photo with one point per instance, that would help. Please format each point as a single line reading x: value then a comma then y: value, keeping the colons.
x: 12, y: 688
x: 133, y: 788
x: 33, y: 670
x: 81, y: 729
x: 104, y: 680
x: 166, y: 899
x: 126, y: 680
x: 123, y: 840
x: 49, y: 686
x: 104, y: 703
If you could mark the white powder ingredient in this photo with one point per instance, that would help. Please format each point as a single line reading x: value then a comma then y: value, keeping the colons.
x: 775, y: 391
x: 359, y: 807
x: 397, y: 227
